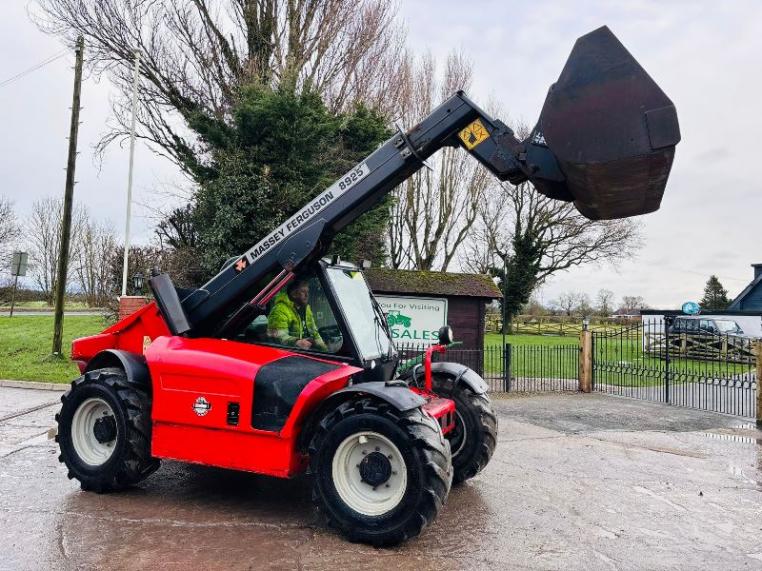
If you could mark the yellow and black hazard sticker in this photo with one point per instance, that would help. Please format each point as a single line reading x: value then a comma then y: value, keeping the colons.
x: 474, y: 134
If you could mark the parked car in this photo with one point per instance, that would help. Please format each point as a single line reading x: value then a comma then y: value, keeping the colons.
x: 713, y: 325
x: 703, y: 337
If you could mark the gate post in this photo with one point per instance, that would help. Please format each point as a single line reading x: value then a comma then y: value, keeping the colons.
x: 586, y: 361
x: 668, y: 321
x: 507, y: 367
x: 758, y: 347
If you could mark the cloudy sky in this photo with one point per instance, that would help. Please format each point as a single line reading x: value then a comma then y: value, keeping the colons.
x: 707, y: 56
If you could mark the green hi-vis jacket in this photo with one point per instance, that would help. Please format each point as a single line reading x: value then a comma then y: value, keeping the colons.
x: 285, y: 323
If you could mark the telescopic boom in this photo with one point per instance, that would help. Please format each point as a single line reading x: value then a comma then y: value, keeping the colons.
x: 605, y: 140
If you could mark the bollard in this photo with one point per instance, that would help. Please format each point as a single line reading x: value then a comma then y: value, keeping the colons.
x: 586, y: 361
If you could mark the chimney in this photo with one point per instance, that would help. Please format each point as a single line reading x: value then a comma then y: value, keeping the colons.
x: 757, y: 270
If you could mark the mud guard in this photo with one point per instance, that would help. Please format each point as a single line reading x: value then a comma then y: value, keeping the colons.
x: 399, y: 396
x: 134, y: 366
x: 461, y: 374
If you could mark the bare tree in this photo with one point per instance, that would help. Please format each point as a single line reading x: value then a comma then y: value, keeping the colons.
x: 566, y: 302
x: 176, y: 229
x: 177, y: 239
x: 526, y: 237
x: 534, y: 307
x: 44, y: 238
x: 9, y: 230
x: 632, y: 304
x: 605, y: 302
x: 92, y: 257
x: 196, y: 54
x: 573, y: 303
x: 434, y: 210
x: 584, y: 307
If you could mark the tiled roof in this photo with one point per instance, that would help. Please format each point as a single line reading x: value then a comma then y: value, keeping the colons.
x: 384, y: 280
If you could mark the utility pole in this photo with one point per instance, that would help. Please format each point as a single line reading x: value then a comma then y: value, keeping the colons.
x: 63, y: 255
x: 135, y: 78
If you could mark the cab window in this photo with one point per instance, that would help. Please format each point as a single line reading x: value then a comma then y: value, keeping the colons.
x: 299, y: 316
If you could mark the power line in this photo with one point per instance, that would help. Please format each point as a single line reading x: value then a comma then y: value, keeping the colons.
x: 704, y: 274
x: 42, y: 64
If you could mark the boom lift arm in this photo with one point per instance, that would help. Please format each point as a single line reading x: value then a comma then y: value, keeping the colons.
x: 605, y: 140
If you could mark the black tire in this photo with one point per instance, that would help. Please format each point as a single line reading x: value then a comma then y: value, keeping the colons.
x: 131, y: 461
x: 475, y: 419
x: 426, y: 454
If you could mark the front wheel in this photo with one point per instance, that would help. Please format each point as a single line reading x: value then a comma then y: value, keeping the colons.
x: 474, y: 437
x: 380, y: 475
x: 104, y: 431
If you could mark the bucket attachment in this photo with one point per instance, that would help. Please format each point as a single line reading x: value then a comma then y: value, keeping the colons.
x: 611, y: 130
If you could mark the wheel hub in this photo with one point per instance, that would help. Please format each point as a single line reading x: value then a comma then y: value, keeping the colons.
x: 375, y: 469
x: 104, y: 429
x: 369, y: 473
x: 94, y: 431
x: 458, y: 435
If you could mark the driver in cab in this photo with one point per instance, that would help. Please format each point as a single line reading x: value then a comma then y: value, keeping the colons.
x: 291, y: 322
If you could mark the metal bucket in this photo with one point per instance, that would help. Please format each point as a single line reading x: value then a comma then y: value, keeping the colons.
x: 611, y: 129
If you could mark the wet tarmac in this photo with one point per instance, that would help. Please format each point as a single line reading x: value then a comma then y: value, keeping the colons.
x: 577, y: 482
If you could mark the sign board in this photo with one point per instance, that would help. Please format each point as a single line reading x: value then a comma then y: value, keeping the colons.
x: 414, y: 320
x: 19, y: 263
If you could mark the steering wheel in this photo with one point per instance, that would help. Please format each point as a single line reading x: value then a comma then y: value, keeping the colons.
x: 330, y: 332
x: 332, y: 336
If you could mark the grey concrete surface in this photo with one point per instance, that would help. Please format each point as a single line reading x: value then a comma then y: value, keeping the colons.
x: 577, y: 482
x: 59, y: 387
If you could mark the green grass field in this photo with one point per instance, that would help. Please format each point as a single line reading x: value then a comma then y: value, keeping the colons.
x: 496, y: 340
x: 26, y: 343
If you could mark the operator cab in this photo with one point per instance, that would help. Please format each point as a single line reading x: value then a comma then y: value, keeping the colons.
x: 327, y: 310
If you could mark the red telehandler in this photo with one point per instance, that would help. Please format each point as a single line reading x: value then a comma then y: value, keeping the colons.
x: 219, y: 376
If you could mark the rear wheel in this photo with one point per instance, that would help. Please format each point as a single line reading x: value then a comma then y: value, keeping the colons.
x: 380, y: 475
x: 104, y: 431
x: 474, y: 437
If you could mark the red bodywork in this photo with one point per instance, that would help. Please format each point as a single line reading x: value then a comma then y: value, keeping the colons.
x: 222, y: 372
x: 440, y: 408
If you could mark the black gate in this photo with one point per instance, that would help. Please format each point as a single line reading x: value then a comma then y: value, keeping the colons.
x: 513, y: 368
x: 703, y: 369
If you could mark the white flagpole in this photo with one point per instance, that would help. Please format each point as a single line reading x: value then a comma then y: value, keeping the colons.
x: 129, y: 176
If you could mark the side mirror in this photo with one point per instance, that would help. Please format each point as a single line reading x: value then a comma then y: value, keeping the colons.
x: 445, y: 335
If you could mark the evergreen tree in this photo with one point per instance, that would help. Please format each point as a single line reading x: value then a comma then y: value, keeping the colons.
x: 518, y: 276
x: 280, y: 149
x: 715, y: 296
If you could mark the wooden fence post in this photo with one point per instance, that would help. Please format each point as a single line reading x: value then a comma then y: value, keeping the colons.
x: 759, y: 383
x: 586, y: 361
